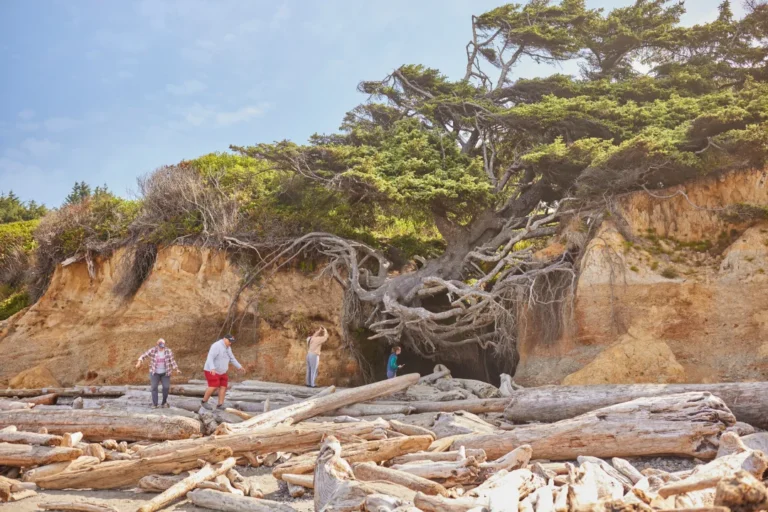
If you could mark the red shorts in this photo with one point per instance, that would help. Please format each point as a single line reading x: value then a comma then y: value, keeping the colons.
x: 216, y: 381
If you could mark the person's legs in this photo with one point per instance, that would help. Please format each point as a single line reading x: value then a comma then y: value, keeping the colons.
x: 166, y: 387
x: 223, y: 381
x: 154, y: 380
x: 208, y: 392
x: 309, y: 369
x: 315, y: 365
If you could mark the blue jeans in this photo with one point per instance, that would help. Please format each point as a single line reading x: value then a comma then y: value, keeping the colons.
x: 155, y: 379
x: 391, y: 374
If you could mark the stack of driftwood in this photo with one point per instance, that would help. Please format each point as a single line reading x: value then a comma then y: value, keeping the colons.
x: 411, y: 443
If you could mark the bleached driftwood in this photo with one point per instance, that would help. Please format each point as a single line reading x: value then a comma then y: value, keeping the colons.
x: 369, y: 471
x: 225, y: 502
x: 24, y: 455
x: 687, y: 424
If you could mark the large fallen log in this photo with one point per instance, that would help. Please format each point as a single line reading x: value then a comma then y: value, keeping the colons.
x: 102, y: 424
x: 478, y: 406
x: 357, y: 410
x: 370, y: 451
x: 246, y: 395
x: 225, y: 502
x: 77, y: 506
x: 23, y: 455
x: 297, y: 439
x: 12, y: 435
x: 103, y: 391
x: 748, y: 401
x: 11, y: 405
x: 370, y: 472
x: 181, y: 488
x: 686, y: 425
x: 38, y: 473
x: 49, y: 399
x: 318, y: 406
x: 124, y: 473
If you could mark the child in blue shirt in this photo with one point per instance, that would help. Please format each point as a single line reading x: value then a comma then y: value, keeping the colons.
x: 392, y: 365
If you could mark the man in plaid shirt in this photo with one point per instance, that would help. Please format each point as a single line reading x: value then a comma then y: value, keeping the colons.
x: 161, y: 364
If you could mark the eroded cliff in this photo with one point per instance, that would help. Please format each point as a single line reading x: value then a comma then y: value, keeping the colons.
x: 81, y: 332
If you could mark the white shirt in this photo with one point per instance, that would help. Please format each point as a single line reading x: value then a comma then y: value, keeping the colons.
x: 219, y: 357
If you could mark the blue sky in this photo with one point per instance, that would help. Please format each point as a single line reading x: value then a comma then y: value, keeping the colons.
x: 106, y: 91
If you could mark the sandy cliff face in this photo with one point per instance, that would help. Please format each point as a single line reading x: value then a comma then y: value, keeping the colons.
x: 662, y: 306
x: 80, y: 332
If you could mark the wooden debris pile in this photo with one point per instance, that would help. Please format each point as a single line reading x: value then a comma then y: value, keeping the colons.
x: 411, y: 443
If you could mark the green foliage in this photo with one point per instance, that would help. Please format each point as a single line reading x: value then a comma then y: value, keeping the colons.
x: 13, y: 305
x: 80, y: 192
x: 12, y: 209
x: 670, y: 273
x: 745, y: 212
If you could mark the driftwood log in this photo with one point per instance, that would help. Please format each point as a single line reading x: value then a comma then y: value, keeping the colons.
x: 748, y: 401
x: 371, y: 472
x: 269, y: 440
x: 318, y: 406
x: 11, y: 405
x: 687, y: 425
x: 477, y: 406
x: 370, y: 451
x: 12, y: 435
x: 98, y: 425
x: 77, y: 506
x: 123, y: 473
x: 103, y: 391
x: 181, y: 488
x: 23, y: 455
x: 225, y: 502
x: 40, y: 472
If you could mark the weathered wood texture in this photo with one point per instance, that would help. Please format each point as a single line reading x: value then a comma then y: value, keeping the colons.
x: 687, y: 424
x: 225, y: 502
x: 181, y: 488
x: 123, y: 473
x: 477, y: 406
x: 23, y: 455
x: 373, y: 451
x: 99, y: 425
x: 748, y: 401
x: 370, y: 472
x: 294, y: 439
x: 318, y: 406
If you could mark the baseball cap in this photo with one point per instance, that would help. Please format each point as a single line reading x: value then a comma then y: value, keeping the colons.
x: 230, y: 338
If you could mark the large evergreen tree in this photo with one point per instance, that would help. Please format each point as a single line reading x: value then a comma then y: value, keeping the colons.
x: 493, y: 161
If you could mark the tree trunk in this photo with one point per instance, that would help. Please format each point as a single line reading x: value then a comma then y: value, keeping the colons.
x: 277, y: 439
x: 432, y: 377
x: 41, y: 472
x: 687, y: 425
x: 103, y: 391
x: 124, y: 473
x: 10, y: 405
x: 226, y: 502
x: 479, y: 456
x: 181, y: 488
x: 462, y: 471
x: 79, y: 506
x: 307, y: 481
x: 748, y: 401
x: 49, y: 399
x: 318, y: 406
x: 428, y: 503
x: 373, y: 451
x: 479, y: 406
x: 101, y: 424
x: 23, y: 455
x: 160, y: 483
x: 357, y: 410
x: 13, y: 436
x: 369, y: 472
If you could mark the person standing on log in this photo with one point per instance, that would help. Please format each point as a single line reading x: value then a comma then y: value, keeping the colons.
x: 161, y: 364
x: 392, y: 365
x: 314, y: 344
x: 216, y: 368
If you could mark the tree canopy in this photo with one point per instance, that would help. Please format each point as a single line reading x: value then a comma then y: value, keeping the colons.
x: 491, y: 160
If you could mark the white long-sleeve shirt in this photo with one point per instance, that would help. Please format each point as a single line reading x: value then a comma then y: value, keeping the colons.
x: 219, y: 357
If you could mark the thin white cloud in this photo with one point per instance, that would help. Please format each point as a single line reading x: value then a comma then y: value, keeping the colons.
x: 127, y: 42
x: 124, y: 74
x: 205, y: 44
x: 14, y: 168
x: 238, y: 116
x: 39, y: 147
x: 28, y: 127
x: 283, y: 13
x: 60, y: 124
x: 186, y: 88
x: 26, y: 114
x: 14, y: 154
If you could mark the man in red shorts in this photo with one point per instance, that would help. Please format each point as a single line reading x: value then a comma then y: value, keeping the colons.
x: 216, y: 367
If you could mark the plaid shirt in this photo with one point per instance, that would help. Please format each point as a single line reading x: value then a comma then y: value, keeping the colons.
x: 170, y: 362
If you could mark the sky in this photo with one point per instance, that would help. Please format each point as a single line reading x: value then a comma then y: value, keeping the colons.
x: 107, y: 91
